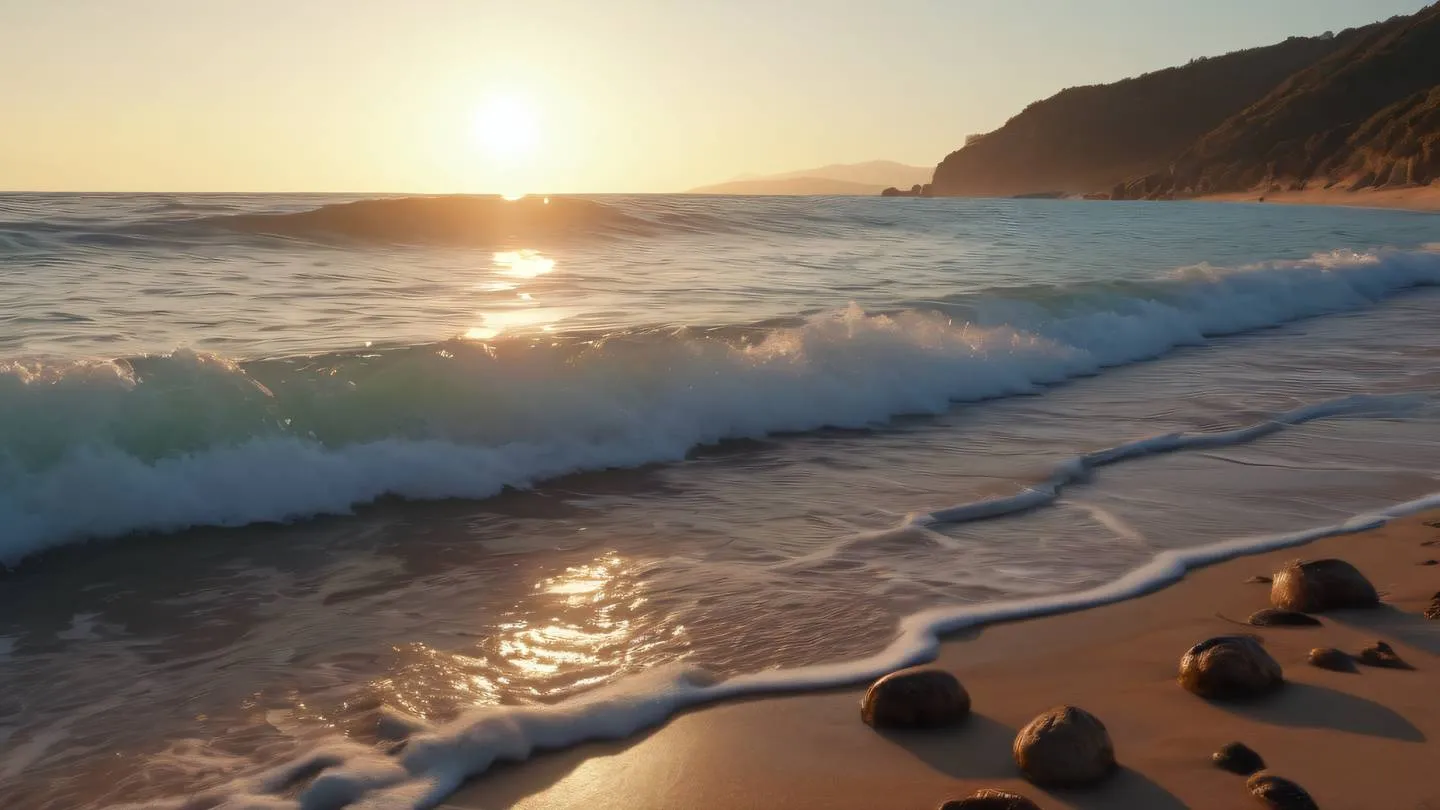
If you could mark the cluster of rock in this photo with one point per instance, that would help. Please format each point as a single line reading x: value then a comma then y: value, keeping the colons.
x: 916, y: 190
x: 1067, y: 746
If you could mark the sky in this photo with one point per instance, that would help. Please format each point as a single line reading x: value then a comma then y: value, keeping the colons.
x: 511, y: 96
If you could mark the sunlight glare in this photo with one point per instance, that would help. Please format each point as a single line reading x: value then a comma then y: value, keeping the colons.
x: 507, y: 128
x: 522, y: 263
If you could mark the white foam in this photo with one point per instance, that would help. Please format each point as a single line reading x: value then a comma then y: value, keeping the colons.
x: 1079, y: 468
x: 162, y: 443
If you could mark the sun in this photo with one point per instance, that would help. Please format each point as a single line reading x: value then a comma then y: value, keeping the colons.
x: 507, y: 128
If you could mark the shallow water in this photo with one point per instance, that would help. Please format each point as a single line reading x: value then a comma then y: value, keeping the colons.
x: 793, y: 386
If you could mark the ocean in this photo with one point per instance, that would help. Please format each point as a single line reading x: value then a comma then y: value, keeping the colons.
x: 335, y: 501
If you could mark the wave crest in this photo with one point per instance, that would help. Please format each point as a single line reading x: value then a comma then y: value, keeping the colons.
x: 101, y: 449
x: 454, y: 219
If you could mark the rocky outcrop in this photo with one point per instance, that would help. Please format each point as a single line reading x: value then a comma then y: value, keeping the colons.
x: 917, y: 190
x: 1088, y: 139
x: 1358, y: 109
x: 1365, y: 116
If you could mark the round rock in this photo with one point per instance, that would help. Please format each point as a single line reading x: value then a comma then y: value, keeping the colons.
x: 991, y: 800
x: 923, y: 697
x: 1315, y: 586
x: 1279, y: 793
x: 1229, y: 668
x: 1275, y: 617
x: 1331, y: 659
x: 1065, y: 746
x: 1238, y: 758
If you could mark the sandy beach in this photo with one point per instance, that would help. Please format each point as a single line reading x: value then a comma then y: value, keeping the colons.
x: 1356, y: 741
x: 1413, y: 198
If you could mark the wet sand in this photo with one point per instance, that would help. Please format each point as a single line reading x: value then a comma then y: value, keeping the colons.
x: 1416, y: 198
x: 1358, y: 741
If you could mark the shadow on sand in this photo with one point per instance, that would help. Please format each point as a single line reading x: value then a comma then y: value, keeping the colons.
x: 1410, y: 629
x: 980, y: 749
x: 1303, y: 705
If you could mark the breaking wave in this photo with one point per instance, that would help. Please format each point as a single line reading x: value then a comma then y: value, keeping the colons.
x: 164, y: 442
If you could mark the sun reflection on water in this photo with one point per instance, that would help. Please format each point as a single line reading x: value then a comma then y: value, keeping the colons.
x: 522, y: 312
x: 581, y: 627
x: 523, y: 263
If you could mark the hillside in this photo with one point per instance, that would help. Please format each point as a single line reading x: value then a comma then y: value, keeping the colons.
x: 1091, y: 138
x: 839, y: 179
x: 1366, y: 116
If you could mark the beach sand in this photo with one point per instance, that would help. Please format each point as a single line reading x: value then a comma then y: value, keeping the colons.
x: 1415, y: 198
x: 1355, y: 741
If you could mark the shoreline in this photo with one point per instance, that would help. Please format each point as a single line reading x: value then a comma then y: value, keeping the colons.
x: 1420, y: 199
x: 1353, y: 740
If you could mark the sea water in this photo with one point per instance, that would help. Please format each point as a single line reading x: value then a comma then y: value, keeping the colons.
x: 313, y: 500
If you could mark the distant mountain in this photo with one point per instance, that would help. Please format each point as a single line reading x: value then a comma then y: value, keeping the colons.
x: 1086, y: 139
x: 838, y: 179
x: 791, y: 186
x: 1365, y: 116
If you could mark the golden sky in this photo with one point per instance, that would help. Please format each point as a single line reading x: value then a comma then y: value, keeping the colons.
x: 558, y: 95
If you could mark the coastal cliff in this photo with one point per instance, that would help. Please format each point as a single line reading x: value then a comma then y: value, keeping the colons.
x: 1359, y: 108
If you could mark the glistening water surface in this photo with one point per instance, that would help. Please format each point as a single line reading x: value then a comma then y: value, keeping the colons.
x: 584, y: 438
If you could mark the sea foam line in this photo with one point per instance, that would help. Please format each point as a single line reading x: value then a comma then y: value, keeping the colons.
x: 438, y: 759
x: 1078, y: 468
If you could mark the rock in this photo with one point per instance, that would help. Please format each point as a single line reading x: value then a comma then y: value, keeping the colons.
x: 1229, y: 667
x: 1432, y: 611
x: 991, y: 800
x: 1258, y: 580
x: 1382, y: 655
x: 1315, y: 586
x: 1279, y: 793
x: 1331, y: 659
x: 1275, y: 617
x: 1065, y: 746
x: 1238, y: 758
x: 1428, y: 562
x: 923, y: 697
